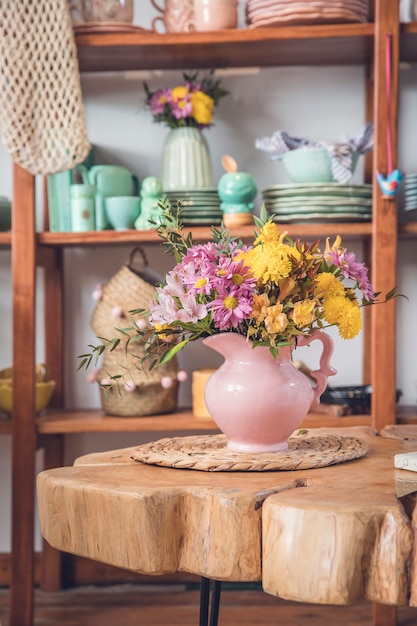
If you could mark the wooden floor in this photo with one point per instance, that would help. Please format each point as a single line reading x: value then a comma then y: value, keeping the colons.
x: 165, y: 605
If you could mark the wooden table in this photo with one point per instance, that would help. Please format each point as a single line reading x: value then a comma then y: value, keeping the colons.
x: 332, y: 535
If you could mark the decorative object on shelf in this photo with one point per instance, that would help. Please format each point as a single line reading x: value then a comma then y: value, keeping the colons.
x: 258, y: 399
x: 215, y: 14
x: 44, y: 388
x: 101, y: 10
x: 274, y: 295
x: 186, y: 161
x: 177, y: 16
x: 237, y: 190
x: 186, y: 109
x: 5, y: 213
x: 41, y: 107
x: 109, y: 181
x: 140, y: 389
x: 356, y: 398
x: 59, y: 196
x: 318, y: 202
x: 410, y: 192
x: 199, y: 207
x: 272, y: 13
x: 122, y: 211
x: 307, y: 161
x: 199, y: 379
x: 150, y: 194
x: 82, y: 208
x: 391, y: 182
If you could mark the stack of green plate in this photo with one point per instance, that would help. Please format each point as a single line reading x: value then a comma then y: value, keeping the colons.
x: 198, y: 206
x: 410, y: 192
x: 318, y: 202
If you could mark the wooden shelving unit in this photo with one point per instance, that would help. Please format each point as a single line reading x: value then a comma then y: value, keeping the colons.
x: 341, y: 44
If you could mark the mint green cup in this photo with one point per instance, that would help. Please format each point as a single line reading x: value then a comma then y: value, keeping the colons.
x: 122, y: 211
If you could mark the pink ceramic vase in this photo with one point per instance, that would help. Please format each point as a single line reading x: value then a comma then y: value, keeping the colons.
x: 258, y: 401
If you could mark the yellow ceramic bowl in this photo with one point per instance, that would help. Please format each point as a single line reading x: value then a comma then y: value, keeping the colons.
x: 43, y: 395
x: 41, y: 374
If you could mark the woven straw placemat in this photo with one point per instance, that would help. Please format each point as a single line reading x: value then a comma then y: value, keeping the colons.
x: 209, y: 453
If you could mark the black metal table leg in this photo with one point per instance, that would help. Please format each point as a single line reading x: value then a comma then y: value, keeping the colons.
x: 215, y: 602
x: 205, y: 601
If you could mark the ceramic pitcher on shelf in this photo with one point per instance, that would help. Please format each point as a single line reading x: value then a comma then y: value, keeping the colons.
x: 110, y: 180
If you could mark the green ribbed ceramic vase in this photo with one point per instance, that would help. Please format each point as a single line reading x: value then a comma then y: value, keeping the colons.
x: 186, y: 161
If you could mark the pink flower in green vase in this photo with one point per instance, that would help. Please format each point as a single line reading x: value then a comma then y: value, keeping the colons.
x: 159, y: 100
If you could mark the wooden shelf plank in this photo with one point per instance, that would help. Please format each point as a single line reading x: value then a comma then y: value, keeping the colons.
x: 408, y: 228
x: 350, y: 44
x: 6, y: 239
x: 96, y: 421
x: 67, y: 422
x: 149, y: 237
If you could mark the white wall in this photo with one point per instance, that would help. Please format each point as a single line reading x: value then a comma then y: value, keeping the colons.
x: 321, y: 103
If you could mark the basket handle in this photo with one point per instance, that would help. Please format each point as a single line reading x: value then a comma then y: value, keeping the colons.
x: 134, y: 265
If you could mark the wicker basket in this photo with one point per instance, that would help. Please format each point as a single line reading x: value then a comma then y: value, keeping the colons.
x: 130, y: 288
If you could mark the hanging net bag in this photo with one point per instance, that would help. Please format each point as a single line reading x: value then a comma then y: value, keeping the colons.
x: 41, y: 110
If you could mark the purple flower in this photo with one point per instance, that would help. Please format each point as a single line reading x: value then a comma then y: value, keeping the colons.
x: 230, y: 308
x: 182, y: 108
x: 159, y: 100
x: 351, y: 268
x: 231, y: 274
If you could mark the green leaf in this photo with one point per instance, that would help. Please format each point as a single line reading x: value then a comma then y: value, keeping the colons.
x: 171, y: 353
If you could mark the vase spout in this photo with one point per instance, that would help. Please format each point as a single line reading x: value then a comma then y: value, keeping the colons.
x: 226, y: 344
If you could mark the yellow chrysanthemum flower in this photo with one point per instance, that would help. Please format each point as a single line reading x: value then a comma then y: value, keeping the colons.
x: 334, y: 308
x: 327, y: 285
x: 179, y: 93
x: 268, y: 263
x: 303, y: 313
x: 345, y: 313
x: 202, y: 107
x: 269, y: 233
x: 351, y: 323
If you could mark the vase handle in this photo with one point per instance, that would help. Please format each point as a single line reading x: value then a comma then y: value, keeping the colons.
x: 321, y: 375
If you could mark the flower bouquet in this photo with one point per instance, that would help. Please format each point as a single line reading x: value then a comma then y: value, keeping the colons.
x: 189, y: 104
x: 273, y: 291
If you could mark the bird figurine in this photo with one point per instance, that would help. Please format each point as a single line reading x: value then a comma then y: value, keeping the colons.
x: 390, y: 184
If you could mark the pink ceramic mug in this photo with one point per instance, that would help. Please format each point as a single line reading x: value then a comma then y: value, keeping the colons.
x: 102, y: 10
x: 215, y: 14
x: 177, y: 16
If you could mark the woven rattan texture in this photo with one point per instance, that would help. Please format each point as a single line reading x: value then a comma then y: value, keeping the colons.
x: 126, y: 291
x: 209, y: 453
x: 41, y: 110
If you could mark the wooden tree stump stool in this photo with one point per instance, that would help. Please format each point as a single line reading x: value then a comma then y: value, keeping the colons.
x: 334, y: 535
